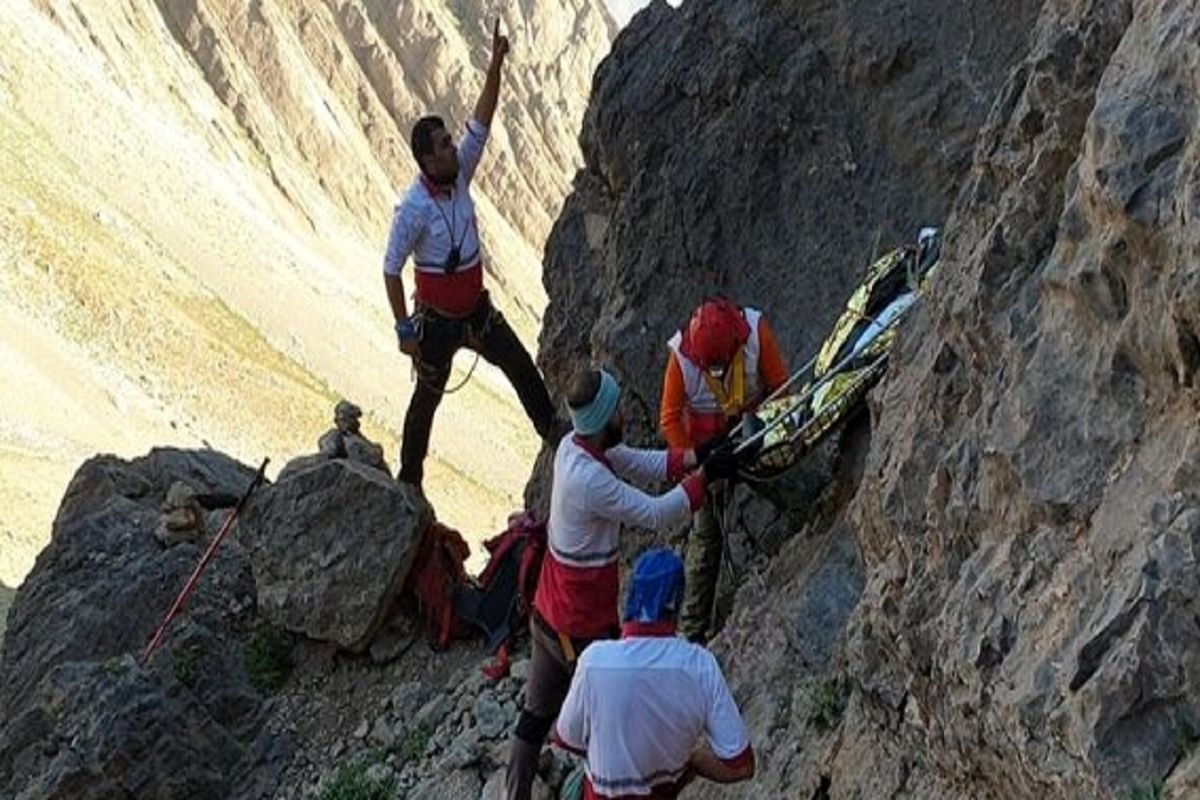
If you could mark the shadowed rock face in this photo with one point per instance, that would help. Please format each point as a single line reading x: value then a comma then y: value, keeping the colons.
x: 764, y: 150
x: 6, y: 596
x: 190, y: 721
x: 1028, y: 510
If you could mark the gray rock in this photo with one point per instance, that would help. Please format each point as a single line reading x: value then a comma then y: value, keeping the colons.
x: 490, y: 717
x: 405, y: 697
x: 330, y: 445
x: 299, y: 465
x: 458, y: 785
x: 364, y: 451
x: 103, y: 584
x: 432, y: 713
x: 382, y: 734
x: 494, y: 789
x: 331, y: 547
x: 182, y: 517
x: 463, y: 751
x: 390, y: 644
x: 95, y: 731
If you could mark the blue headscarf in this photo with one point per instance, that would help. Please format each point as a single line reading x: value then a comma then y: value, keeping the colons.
x: 594, y: 417
x: 656, y: 588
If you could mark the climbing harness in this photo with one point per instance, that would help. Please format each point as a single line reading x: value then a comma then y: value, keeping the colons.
x: 473, y: 341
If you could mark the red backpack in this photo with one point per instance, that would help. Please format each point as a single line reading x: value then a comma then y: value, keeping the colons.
x: 527, y: 536
x: 499, y: 601
x: 437, y: 573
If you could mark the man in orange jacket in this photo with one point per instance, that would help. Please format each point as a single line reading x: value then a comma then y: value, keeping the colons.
x: 722, y: 364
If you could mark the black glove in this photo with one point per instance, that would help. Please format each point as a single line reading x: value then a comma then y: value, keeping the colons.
x: 721, y: 463
x: 703, y: 451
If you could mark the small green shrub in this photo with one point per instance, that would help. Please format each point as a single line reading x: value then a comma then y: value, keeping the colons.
x: 352, y: 782
x: 186, y: 659
x: 828, y: 703
x: 1148, y: 791
x: 268, y: 660
x: 1186, y: 737
x: 415, y: 743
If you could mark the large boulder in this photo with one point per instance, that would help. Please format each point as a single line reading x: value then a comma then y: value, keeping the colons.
x: 80, y: 718
x: 331, y: 548
x: 101, y: 730
x: 103, y: 584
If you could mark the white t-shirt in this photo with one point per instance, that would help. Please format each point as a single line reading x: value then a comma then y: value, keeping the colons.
x: 639, y: 706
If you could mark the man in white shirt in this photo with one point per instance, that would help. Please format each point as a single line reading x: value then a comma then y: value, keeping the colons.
x: 578, y: 586
x: 652, y: 711
x: 435, y: 223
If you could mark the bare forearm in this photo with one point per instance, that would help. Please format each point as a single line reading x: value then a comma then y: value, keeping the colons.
x: 395, y: 294
x: 705, y: 764
x: 485, y: 109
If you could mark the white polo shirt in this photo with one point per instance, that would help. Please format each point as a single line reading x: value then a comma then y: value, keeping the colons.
x: 638, y: 706
x: 428, y: 222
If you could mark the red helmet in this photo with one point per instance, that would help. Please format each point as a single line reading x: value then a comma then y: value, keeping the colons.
x: 715, y: 333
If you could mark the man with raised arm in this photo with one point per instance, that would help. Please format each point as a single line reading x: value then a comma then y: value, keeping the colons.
x: 435, y: 224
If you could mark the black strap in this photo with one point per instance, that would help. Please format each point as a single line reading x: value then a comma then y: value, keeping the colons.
x: 451, y: 222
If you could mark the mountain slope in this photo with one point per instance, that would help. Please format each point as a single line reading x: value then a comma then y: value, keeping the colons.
x: 192, y: 211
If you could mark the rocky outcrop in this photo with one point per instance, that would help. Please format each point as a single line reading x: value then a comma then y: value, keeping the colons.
x: 763, y: 150
x: 82, y: 718
x: 331, y: 548
x: 6, y: 595
x: 1017, y: 617
x: 122, y: 734
x: 1031, y: 531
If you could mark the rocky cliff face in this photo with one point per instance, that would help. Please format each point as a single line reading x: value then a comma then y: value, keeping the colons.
x: 993, y: 595
x: 193, y: 207
x: 1002, y: 604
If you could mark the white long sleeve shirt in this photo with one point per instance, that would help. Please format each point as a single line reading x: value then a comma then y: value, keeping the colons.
x: 589, y: 501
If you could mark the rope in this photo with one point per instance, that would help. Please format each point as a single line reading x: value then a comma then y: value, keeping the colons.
x: 474, y: 341
x: 466, y: 379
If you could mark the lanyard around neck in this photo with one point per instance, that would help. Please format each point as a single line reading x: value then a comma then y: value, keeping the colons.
x: 451, y: 221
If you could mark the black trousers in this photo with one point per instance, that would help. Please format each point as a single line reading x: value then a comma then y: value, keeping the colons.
x: 550, y: 673
x: 486, y: 332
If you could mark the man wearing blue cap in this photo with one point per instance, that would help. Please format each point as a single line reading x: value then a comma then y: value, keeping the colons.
x: 638, y: 706
x: 578, y: 586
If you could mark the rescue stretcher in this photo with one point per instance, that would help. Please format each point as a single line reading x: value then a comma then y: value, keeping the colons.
x: 853, y: 357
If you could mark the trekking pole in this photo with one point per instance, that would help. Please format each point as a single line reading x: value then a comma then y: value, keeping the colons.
x: 190, y: 586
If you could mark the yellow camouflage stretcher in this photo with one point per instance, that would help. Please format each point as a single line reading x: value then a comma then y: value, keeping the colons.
x: 851, y: 360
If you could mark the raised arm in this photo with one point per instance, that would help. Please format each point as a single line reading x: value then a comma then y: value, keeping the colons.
x: 485, y: 109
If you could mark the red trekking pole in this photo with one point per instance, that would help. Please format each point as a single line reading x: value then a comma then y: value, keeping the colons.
x: 190, y: 586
